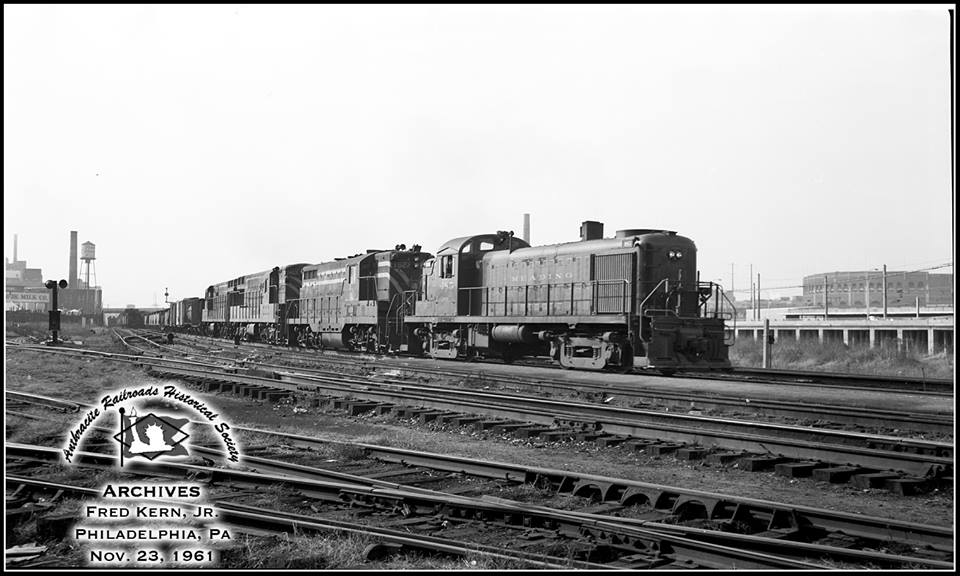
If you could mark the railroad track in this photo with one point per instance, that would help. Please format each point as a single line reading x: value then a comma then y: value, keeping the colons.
x: 259, y: 521
x: 938, y: 386
x: 600, y: 488
x: 658, y: 549
x: 842, y: 453
x: 780, y: 539
x: 873, y: 419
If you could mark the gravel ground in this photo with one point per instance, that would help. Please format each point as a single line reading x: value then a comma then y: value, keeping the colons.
x: 85, y: 379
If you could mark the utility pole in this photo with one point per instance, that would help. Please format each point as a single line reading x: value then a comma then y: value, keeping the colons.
x: 731, y: 279
x: 867, y: 284
x: 884, y: 291
x: 752, y: 313
x: 826, y: 303
x: 766, y: 343
x: 758, y: 296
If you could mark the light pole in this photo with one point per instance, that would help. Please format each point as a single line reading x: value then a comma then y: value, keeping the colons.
x: 54, y: 310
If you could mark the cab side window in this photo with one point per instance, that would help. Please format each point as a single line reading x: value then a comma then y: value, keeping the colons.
x: 446, y: 266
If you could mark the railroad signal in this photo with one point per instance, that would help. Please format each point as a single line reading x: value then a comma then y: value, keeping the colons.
x: 54, y: 308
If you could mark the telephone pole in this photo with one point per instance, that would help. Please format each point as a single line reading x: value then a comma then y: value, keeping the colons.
x: 884, y: 291
x: 758, y: 296
x: 826, y: 298
x: 731, y: 278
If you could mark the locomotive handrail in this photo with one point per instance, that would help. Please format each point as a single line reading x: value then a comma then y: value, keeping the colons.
x: 412, y: 301
x: 733, y: 333
x: 649, y: 295
x: 720, y: 311
x: 666, y: 312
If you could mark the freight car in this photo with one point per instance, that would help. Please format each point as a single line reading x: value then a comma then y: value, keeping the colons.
x: 592, y: 304
x: 186, y: 315
x: 156, y: 318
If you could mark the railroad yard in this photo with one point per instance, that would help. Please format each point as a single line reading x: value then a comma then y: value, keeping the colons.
x: 362, y: 461
x: 479, y: 288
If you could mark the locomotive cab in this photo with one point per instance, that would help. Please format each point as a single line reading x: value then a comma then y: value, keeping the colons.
x: 453, y: 289
x: 452, y: 282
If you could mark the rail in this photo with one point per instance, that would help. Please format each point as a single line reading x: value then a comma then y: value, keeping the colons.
x: 690, y: 544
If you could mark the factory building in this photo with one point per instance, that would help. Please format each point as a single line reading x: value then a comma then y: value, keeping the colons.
x: 862, y: 288
x: 23, y: 286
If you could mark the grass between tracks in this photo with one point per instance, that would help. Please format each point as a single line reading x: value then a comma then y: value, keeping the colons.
x: 344, y: 551
x: 838, y: 357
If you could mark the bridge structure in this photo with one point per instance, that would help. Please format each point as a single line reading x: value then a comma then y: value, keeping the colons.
x: 931, y: 335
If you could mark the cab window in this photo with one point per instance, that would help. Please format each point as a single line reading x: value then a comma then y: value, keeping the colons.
x: 446, y: 266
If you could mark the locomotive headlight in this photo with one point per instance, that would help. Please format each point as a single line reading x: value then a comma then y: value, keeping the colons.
x: 679, y: 254
x: 672, y: 255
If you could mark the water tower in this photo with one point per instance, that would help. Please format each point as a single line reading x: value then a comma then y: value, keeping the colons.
x: 88, y: 255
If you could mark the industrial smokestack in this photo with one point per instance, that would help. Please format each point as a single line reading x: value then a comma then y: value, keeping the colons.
x: 526, y: 228
x: 73, y: 258
x: 14, y: 247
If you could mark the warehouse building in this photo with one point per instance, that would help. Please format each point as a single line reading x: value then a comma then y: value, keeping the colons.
x: 862, y: 288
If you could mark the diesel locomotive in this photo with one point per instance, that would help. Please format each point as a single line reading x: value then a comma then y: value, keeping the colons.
x: 597, y: 303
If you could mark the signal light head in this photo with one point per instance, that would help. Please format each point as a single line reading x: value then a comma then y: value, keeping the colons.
x: 63, y: 283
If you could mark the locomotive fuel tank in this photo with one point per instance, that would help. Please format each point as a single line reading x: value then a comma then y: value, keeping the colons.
x: 514, y: 334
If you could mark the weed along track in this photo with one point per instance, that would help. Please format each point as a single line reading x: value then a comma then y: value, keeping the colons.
x: 405, y: 501
x: 650, y: 518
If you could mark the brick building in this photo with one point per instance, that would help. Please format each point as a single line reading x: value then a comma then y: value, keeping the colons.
x: 853, y: 289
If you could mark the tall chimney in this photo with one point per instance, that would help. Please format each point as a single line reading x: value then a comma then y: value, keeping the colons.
x: 526, y: 228
x: 14, y: 247
x: 73, y: 259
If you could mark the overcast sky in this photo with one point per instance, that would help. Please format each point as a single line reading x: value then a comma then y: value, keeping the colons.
x: 193, y: 144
